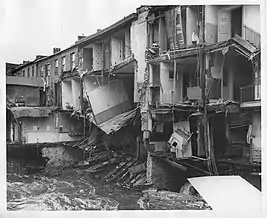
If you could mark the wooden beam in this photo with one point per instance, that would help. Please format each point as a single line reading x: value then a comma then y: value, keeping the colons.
x: 222, y: 66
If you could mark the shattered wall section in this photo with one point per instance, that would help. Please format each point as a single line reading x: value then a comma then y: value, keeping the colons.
x: 139, y: 44
x: 57, y: 127
x: 97, y: 57
x: 80, y: 60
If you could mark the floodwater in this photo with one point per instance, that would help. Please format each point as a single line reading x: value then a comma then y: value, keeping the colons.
x: 72, y: 189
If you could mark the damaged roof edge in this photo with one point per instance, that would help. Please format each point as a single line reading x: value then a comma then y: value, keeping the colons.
x: 238, y: 42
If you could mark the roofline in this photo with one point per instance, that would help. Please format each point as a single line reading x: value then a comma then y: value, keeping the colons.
x: 101, y: 33
x: 86, y: 40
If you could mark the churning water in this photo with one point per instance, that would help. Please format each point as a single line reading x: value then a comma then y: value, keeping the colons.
x: 71, y: 189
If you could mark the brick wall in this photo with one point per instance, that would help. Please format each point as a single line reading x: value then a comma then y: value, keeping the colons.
x: 98, y: 57
x: 59, y: 57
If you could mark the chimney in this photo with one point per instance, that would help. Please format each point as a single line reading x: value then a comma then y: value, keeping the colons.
x: 39, y: 57
x: 55, y: 50
x: 25, y: 62
x: 81, y: 37
x: 98, y: 30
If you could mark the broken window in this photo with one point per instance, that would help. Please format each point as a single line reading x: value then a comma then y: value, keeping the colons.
x: 171, y: 74
x: 56, y: 67
x: 47, y: 70
x: 64, y: 63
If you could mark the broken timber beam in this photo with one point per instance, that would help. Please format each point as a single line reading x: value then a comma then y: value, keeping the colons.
x: 120, y: 172
x: 121, y: 164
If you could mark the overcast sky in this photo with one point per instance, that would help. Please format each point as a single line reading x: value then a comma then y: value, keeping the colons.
x: 33, y: 27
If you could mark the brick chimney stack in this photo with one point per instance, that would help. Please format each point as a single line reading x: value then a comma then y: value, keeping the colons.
x: 55, y: 50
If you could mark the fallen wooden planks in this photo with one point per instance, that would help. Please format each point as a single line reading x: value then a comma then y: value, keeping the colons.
x: 119, y: 166
x: 121, y: 171
x: 97, y: 167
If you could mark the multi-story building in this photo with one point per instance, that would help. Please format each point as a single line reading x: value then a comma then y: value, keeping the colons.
x: 183, y: 42
x: 44, y: 121
x: 165, y: 60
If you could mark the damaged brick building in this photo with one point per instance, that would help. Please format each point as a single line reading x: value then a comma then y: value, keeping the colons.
x: 156, y: 82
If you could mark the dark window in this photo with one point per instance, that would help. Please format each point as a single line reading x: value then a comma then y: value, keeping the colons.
x: 171, y: 74
x: 28, y: 72
x: 23, y: 73
x: 72, y: 59
x: 32, y: 71
x: 64, y: 63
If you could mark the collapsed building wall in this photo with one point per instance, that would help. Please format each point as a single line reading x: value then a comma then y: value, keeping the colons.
x: 49, y: 128
x: 139, y: 44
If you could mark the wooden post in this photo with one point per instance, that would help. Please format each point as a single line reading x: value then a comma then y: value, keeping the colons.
x: 223, y: 60
x: 137, y: 147
x: 103, y: 69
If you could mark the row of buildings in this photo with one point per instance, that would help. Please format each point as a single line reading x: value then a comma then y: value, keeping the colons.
x: 171, y: 65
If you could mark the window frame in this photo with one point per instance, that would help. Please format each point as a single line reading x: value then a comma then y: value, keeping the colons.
x: 72, y: 60
x: 56, y: 66
x: 42, y: 71
x: 32, y: 71
x: 63, y: 63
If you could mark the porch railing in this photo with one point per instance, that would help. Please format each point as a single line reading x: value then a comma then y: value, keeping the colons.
x: 250, y: 93
x: 251, y: 36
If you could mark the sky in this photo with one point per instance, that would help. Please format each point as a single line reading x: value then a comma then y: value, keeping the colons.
x: 33, y: 27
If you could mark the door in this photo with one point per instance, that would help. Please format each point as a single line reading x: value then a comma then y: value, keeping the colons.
x: 224, y: 25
